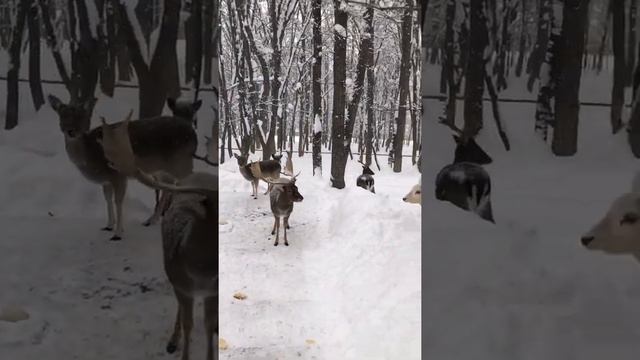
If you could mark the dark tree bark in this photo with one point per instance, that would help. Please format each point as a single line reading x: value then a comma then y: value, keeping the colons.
x: 338, y: 153
x: 523, y: 39
x: 35, y: 83
x: 631, y: 41
x: 109, y: 49
x: 545, y: 115
x: 365, y: 60
x: 619, y: 66
x: 403, y: 84
x: 276, y: 64
x: 52, y: 42
x: 316, y: 87
x: 474, y: 83
x: 449, y: 62
x: 537, y: 56
x: 567, y: 106
x: 13, y: 90
x: 208, y: 16
x: 159, y: 79
x: 193, y: 34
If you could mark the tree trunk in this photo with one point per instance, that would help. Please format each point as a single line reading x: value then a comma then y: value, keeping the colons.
x: 474, y: 83
x: 35, y: 83
x: 316, y: 88
x: 338, y: 153
x: 619, y: 66
x: 549, y: 71
x: 158, y: 80
x: 403, y: 84
x: 523, y: 39
x: 567, y: 106
x: 631, y: 42
x: 13, y: 90
x: 537, y: 56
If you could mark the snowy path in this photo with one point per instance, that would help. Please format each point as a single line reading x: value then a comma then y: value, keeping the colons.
x: 322, y: 297
x: 88, y: 298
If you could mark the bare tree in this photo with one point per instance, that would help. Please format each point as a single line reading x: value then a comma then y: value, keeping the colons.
x: 338, y: 154
x: 567, y: 106
x: 403, y: 85
x: 619, y: 66
x: 316, y: 87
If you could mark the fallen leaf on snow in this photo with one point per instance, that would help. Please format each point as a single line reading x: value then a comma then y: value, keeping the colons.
x: 310, y: 341
x: 240, y: 296
x: 222, y: 344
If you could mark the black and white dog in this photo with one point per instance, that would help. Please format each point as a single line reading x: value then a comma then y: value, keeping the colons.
x: 465, y: 183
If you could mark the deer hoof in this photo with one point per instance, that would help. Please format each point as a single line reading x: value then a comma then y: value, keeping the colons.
x: 107, y: 228
x: 288, y: 227
x: 171, y: 348
x: 286, y: 244
x: 273, y: 233
x: 116, y: 238
x: 275, y: 244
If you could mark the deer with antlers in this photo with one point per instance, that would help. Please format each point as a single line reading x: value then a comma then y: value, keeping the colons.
x: 281, y: 198
x: 465, y: 183
x: 189, y: 236
x: 258, y: 170
x: 162, y: 143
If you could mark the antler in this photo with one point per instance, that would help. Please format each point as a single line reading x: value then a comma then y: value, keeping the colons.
x: 291, y: 181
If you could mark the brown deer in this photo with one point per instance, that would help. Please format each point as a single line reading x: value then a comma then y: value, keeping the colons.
x: 283, y: 194
x: 161, y: 143
x: 189, y: 237
x: 258, y: 170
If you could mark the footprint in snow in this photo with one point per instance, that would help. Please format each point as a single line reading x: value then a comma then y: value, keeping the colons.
x: 224, y: 226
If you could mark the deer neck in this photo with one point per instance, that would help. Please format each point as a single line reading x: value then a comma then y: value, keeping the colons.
x: 77, y: 149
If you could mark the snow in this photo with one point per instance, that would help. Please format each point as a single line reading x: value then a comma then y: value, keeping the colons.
x: 349, y: 279
x: 340, y: 30
x: 526, y: 288
x: 137, y: 31
x: 101, y: 299
x: 94, y: 18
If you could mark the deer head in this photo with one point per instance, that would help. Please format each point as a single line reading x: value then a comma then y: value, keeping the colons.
x: 75, y: 117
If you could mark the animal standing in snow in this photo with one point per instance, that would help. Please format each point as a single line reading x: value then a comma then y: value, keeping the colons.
x: 414, y: 196
x: 189, y: 238
x: 365, y: 180
x: 465, y: 183
x: 283, y: 195
x: 258, y: 170
x: 159, y: 143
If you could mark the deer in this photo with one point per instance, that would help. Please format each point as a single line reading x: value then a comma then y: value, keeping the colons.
x: 281, y: 198
x: 161, y: 143
x: 465, y: 183
x: 365, y: 180
x: 288, y: 167
x: 257, y: 170
x: 414, y: 196
x: 189, y: 237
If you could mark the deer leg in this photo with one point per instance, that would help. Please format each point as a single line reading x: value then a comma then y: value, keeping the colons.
x: 277, y: 230
x: 269, y: 186
x: 186, y: 317
x: 286, y: 222
x: 211, y: 324
x: 120, y: 188
x: 255, y: 188
x: 275, y: 221
x: 172, y: 345
x: 107, y: 191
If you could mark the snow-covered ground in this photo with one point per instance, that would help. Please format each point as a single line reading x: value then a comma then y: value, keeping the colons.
x: 87, y: 297
x: 526, y: 288
x: 346, y: 287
